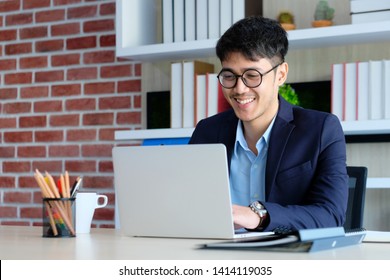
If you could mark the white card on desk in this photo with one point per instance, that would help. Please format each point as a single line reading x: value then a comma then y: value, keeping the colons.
x: 377, y: 236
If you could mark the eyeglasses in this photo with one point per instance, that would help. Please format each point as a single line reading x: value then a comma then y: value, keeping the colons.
x: 251, y: 77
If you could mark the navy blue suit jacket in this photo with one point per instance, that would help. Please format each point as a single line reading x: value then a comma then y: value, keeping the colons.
x: 306, y: 180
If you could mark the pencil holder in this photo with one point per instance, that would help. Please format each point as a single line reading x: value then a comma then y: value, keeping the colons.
x: 58, y: 217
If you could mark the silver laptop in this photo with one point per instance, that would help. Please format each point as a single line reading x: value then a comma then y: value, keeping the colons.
x: 174, y: 191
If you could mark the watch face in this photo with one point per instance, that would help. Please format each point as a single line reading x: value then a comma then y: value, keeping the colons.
x: 258, y: 206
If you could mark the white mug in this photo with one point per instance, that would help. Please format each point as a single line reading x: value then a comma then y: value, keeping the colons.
x: 86, y: 203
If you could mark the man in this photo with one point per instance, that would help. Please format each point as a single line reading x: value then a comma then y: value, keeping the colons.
x: 287, y: 164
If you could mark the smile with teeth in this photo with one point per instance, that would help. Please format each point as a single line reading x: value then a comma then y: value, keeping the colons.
x: 245, y: 101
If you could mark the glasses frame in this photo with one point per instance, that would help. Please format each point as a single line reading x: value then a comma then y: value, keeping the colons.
x: 242, y: 76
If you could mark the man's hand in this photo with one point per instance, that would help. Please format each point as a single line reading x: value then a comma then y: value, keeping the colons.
x: 244, y: 217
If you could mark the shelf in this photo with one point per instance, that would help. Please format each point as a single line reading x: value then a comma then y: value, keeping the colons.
x: 134, y: 135
x: 136, y: 23
x: 123, y: 135
x: 366, y: 127
x: 169, y: 51
x: 378, y: 183
x: 340, y: 35
x: 143, y: 46
x: 350, y: 128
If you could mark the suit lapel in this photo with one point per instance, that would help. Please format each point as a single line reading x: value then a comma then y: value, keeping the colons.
x: 280, y: 134
x: 227, y: 134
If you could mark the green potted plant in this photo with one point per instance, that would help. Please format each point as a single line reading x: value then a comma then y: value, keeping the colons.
x: 286, y: 20
x: 323, y: 14
x: 289, y: 94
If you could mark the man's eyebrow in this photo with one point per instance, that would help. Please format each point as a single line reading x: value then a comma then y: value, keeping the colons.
x: 242, y: 70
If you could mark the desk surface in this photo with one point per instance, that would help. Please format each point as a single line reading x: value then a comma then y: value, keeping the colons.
x: 21, y: 243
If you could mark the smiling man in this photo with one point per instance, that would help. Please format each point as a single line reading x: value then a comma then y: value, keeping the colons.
x: 287, y: 164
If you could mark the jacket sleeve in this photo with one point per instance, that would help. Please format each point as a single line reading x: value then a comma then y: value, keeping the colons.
x: 313, y: 193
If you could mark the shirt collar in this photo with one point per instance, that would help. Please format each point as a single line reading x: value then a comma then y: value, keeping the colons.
x: 240, y: 139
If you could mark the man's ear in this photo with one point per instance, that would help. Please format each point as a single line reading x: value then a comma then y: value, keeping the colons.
x: 282, y: 73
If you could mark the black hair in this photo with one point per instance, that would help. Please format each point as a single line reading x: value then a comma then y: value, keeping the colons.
x: 255, y: 37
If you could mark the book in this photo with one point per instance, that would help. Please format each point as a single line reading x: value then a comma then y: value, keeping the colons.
x: 216, y: 101
x: 223, y: 104
x: 349, y: 91
x: 386, y: 87
x: 201, y: 19
x: 336, y: 98
x: 225, y: 16
x: 370, y: 17
x: 190, y: 20
x: 158, y: 109
x: 167, y: 21
x: 190, y: 70
x: 213, y: 19
x: 362, y: 91
x: 200, y: 98
x: 306, y: 240
x: 375, y: 99
x: 364, y: 6
x: 212, y: 86
x: 238, y: 10
x: 166, y: 141
x: 176, y: 95
x: 178, y: 20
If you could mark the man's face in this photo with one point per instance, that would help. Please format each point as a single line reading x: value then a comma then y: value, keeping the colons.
x: 261, y: 102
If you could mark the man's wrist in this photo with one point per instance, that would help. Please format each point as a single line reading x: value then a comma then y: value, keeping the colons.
x: 260, y: 210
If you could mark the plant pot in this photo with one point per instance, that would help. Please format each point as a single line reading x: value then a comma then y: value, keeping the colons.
x: 288, y: 26
x: 321, y: 23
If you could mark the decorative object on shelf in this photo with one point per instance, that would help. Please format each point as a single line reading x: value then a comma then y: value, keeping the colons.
x: 288, y: 93
x: 131, y: 45
x: 323, y: 14
x: 363, y: 11
x: 158, y: 109
x: 314, y: 94
x: 286, y: 20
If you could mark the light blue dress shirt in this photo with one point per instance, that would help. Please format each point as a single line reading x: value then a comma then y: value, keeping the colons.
x: 247, y: 171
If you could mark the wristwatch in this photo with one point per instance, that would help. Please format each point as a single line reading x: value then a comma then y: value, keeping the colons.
x: 260, y: 210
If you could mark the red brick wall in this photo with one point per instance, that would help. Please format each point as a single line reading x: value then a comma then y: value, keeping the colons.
x: 63, y: 93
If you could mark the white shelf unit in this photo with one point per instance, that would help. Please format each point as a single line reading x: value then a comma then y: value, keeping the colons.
x: 366, y: 127
x: 136, y: 39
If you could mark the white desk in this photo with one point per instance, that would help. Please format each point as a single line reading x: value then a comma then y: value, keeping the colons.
x: 27, y: 243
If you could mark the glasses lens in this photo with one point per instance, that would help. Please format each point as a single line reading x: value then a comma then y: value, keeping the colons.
x: 252, y: 78
x: 227, y: 79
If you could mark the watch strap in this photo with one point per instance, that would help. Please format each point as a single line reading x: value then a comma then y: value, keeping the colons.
x: 260, y: 210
